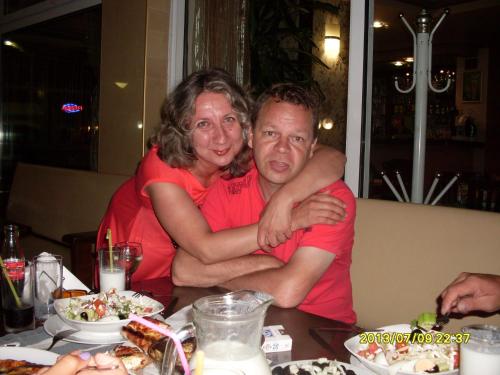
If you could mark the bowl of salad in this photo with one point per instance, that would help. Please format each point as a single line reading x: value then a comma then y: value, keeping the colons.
x: 402, y: 350
x: 104, y: 312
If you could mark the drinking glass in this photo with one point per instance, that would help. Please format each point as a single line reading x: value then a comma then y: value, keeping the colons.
x: 132, y: 257
x: 480, y: 354
x: 17, y: 297
x: 111, y: 269
x: 48, y: 278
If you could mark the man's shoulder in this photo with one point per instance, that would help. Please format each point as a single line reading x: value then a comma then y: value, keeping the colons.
x: 339, y: 189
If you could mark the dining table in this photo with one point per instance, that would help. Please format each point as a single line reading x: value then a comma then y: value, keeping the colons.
x: 312, y: 336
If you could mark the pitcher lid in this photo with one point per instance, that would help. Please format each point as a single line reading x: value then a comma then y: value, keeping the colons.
x: 242, y: 303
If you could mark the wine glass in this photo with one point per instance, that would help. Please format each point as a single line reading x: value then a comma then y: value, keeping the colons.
x: 132, y: 256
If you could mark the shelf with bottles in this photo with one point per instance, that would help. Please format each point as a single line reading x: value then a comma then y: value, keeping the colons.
x: 393, y: 113
x: 480, y: 192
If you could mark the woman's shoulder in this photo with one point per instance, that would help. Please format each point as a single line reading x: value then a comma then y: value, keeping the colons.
x: 152, y: 168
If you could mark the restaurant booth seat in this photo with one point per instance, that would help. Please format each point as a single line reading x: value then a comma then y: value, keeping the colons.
x: 405, y: 254
x: 59, y: 211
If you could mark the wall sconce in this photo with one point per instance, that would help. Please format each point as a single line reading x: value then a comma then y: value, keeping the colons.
x: 332, y: 46
x: 327, y: 123
x: 121, y: 85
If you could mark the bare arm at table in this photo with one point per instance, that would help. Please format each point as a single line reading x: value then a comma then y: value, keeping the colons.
x: 174, y: 208
x: 189, y: 271
x: 325, y: 167
x: 184, y: 222
x: 290, y: 284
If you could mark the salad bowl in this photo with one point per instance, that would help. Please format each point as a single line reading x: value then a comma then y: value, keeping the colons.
x: 104, y: 313
x: 354, y: 347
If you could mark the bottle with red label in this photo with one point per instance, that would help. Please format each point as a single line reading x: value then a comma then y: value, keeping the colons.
x: 12, y: 252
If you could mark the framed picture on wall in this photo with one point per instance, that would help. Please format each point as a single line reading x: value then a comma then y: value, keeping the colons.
x: 471, y: 90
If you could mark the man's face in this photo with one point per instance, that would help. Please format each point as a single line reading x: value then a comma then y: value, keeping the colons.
x: 282, y: 141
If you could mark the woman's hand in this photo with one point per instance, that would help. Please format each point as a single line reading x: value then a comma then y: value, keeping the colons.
x: 275, y: 224
x: 68, y: 364
x: 320, y: 208
x: 278, y: 220
x: 83, y: 363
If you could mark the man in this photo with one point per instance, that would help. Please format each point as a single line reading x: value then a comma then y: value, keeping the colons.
x: 315, y: 275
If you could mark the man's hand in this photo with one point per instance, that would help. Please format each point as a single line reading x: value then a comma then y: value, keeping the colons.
x: 320, y: 208
x: 470, y: 292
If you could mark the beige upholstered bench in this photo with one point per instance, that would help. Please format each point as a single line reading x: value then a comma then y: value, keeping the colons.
x: 53, y: 202
x: 405, y: 254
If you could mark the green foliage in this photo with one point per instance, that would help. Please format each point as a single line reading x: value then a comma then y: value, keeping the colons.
x: 281, y: 45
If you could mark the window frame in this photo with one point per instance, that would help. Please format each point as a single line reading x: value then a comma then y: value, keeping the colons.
x: 357, y: 148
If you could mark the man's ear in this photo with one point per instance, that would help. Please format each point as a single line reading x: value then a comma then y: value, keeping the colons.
x: 250, y: 138
x: 313, y: 147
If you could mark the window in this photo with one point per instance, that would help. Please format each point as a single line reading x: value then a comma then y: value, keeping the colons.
x: 50, y: 93
x: 462, y: 134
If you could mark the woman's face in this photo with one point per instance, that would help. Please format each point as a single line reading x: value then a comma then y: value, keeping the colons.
x: 217, y: 134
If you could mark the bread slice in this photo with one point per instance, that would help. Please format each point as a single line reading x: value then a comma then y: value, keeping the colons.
x: 133, y: 358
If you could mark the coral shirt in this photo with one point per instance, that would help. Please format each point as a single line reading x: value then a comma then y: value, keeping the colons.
x: 131, y: 217
x: 237, y: 202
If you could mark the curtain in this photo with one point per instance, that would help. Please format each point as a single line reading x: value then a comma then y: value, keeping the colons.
x: 219, y: 37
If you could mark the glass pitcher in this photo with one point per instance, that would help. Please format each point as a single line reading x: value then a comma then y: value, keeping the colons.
x: 228, y: 329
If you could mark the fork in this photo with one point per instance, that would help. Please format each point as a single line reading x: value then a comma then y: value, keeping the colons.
x: 441, y: 320
x: 142, y: 293
x: 61, y: 335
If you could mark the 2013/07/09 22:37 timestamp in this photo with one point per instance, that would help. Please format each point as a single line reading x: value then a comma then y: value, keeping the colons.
x: 413, y: 338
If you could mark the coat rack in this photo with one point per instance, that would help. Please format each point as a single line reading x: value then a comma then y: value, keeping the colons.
x: 421, y: 81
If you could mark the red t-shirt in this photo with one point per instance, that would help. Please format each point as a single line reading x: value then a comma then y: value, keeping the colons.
x: 131, y: 217
x: 239, y: 201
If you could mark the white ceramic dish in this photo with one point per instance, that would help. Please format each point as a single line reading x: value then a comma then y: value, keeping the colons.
x: 41, y: 357
x: 356, y: 369
x: 114, y: 326
x: 353, y: 343
x: 54, y: 324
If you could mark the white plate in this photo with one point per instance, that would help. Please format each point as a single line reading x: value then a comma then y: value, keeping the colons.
x: 357, y: 370
x: 114, y: 326
x: 54, y: 324
x: 353, y: 343
x: 41, y: 357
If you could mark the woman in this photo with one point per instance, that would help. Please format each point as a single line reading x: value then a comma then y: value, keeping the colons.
x: 202, y: 138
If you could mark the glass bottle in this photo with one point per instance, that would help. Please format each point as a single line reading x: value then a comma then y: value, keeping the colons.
x: 12, y: 252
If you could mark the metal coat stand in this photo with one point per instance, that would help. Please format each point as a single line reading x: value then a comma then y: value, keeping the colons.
x: 421, y: 81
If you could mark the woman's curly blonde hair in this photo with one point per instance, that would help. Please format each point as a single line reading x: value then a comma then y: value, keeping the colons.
x: 173, y: 137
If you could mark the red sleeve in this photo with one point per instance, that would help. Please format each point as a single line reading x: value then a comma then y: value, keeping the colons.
x: 215, y: 208
x: 153, y: 169
x: 337, y: 238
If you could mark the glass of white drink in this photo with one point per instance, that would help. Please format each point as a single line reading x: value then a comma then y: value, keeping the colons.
x: 111, y: 269
x: 480, y: 354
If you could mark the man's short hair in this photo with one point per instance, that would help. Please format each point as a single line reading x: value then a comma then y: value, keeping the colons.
x: 290, y: 93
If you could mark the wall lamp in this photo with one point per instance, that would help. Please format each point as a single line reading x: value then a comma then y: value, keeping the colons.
x: 327, y: 123
x: 332, y: 46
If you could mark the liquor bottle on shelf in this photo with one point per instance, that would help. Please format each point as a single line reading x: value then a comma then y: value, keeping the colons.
x: 470, y: 128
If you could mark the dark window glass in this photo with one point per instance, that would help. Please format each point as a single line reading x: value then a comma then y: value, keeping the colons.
x: 50, y: 87
x: 462, y: 130
x: 15, y: 5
